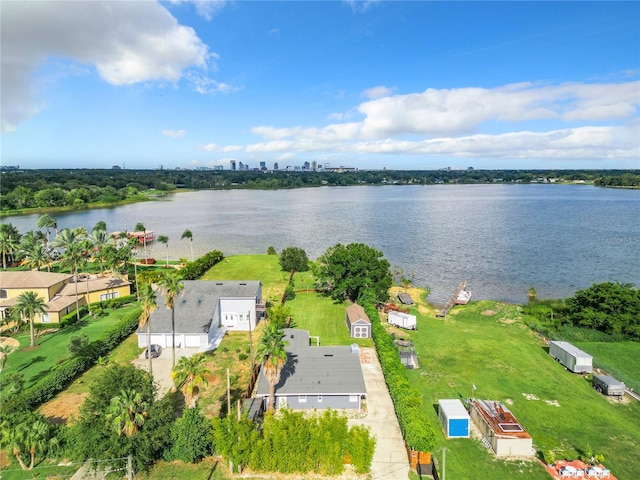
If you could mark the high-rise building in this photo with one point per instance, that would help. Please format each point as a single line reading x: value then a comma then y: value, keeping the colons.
x: 241, y: 167
x: 275, y: 166
x: 314, y: 166
x: 233, y: 165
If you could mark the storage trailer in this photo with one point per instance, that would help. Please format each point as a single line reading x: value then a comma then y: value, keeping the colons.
x: 402, y: 320
x: 608, y: 385
x: 574, y: 359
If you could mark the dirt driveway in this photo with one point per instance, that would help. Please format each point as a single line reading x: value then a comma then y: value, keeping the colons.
x: 390, y: 461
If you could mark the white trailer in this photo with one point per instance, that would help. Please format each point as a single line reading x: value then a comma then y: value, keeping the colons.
x: 608, y: 385
x: 574, y: 359
x: 402, y: 320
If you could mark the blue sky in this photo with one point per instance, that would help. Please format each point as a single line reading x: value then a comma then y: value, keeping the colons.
x: 401, y: 85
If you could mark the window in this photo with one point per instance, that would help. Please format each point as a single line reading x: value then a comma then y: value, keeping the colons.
x: 3, y: 293
x: 319, y: 398
x: 302, y: 399
x: 107, y: 296
x: 353, y: 398
x: 45, y: 318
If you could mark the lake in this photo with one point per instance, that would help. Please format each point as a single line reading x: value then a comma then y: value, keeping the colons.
x: 501, y: 239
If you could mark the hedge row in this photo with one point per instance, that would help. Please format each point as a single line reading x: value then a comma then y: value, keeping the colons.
x: 414, y: 424
x: 62, y: 374
x: 197, y: 268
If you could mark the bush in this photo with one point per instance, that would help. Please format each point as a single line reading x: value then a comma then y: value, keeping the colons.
x: 194, y: 270
x: 271, y: 251
x: 76, y: 344
x: 191, y: 437
x: 289, y: 292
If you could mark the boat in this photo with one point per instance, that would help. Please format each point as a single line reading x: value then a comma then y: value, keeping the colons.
x: 463, y: 297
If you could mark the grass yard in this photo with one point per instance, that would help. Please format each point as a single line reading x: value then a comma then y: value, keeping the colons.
x: 486, y: 343
x: 620, y: 359
x: 51, y: 348
x: 252, y: 267
x: 323, y: 317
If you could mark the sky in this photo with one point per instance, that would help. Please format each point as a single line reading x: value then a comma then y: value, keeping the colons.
x: 368, y: 84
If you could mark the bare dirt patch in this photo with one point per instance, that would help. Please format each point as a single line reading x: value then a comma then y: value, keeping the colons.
x: 488, y: 313
x: 63, y: 407
x: 508, y: 321
x: 553, y: 403
x: 530, y: 396
x: 509, y: 401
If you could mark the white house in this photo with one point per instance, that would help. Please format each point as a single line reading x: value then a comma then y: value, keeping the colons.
x: 202, y: 310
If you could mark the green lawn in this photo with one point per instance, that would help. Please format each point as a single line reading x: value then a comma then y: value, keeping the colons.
x: 323, y: 317
x: 252, y: 267
x: 486, y: 343
x: 621, y: 360
x: 51, y: 348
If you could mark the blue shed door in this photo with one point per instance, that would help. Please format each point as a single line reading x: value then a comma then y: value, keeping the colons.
x: 458, y: 427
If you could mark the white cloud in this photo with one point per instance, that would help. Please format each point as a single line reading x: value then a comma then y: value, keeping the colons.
x: 212, y: 147
x: 450, y: 122
x: 174, y: 133
x: 377, y: 92
x: 126, y: 42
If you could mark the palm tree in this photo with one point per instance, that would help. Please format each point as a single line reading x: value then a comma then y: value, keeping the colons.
x: 71, y: 242
x: 99, y: 239
x: 172, y: 286
x: 127, y: 412
x: 165, y: 240
x: 141, y: 228
x: 29, y: 304
x: 187, y: 234
x: 30, y: 438
x: 35, y: 255
x: 47, y: 221
x: 8, y: 245
x: 148, y: 304
x: 188, y: 375
x: 272, y: 354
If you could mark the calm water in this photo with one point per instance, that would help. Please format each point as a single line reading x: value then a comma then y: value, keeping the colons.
x: 501, y: 239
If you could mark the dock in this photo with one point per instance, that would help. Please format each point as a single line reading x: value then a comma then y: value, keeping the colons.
x: 452, y: 301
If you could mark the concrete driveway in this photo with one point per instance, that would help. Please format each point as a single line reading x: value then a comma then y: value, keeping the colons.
x: 161, y: 366
x: 390, y: 461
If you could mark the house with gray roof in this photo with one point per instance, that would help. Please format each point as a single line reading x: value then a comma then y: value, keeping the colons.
x: 316, y: 377
x: 203, y: 312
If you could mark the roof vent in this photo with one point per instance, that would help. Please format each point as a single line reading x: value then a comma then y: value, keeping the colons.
x: 241, y: 283
x: 328, y: 354
x: 218, y: 283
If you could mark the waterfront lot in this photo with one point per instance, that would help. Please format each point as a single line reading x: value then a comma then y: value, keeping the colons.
x: 487, y: 344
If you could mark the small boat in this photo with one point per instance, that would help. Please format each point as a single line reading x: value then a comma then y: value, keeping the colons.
x: 463, y: 297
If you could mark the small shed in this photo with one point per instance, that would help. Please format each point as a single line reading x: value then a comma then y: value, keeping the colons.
x: 454, y: 418
x: 357, y: 321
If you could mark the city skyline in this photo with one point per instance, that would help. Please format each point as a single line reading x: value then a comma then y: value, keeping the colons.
x: 369, y: 85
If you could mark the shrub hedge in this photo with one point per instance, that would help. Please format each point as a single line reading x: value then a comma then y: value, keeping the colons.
x: 416, y: 428
x: 197, y: 268
x: 62, y: 374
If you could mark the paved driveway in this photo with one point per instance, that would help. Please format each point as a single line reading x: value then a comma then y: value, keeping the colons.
x: 390, y: 461
x: 161, y: 366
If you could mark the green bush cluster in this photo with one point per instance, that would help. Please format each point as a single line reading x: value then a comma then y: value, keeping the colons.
x: 197, y: 268
x: 416, y: 427
x: 320, y: 444
x: 62, y: 374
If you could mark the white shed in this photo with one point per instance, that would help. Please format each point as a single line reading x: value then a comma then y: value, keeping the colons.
x: 454, y: 418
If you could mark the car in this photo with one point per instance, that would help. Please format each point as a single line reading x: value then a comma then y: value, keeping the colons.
x: 155, y: 351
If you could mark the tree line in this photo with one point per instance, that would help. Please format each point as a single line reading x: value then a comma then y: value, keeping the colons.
x: 78, y: 188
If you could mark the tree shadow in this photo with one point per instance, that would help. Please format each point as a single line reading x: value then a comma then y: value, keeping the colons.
x: 33, y: 361
x: 213, y: 469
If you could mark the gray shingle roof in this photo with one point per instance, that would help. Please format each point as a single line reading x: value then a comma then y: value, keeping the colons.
x: 316, y: 370
x: 196, y: 306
